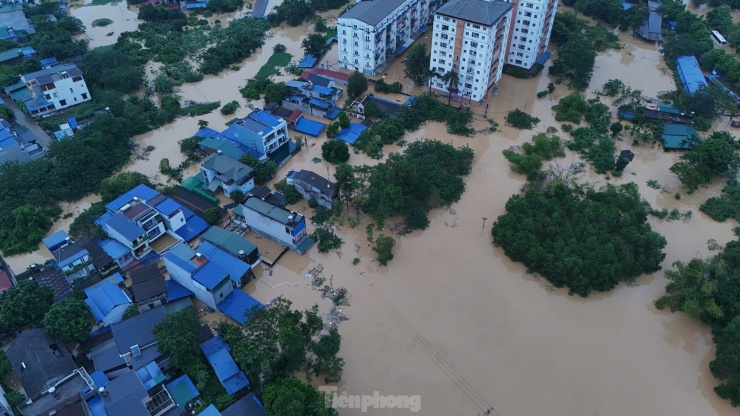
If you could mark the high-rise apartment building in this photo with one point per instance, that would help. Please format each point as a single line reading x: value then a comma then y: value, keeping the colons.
x: 372, y: 33
x: 531, y: 24
x: 470, y: 39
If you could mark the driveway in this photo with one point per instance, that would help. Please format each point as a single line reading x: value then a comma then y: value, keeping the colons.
x: 26, y: 121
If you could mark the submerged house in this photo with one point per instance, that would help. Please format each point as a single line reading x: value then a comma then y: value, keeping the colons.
x: 234, y: 244
x: 388, y: 108
x: 278, y: 224
x: 688, y: 70
x: 316, y: 96
x: 313, y: 186
x: 72, y: 258
x: 221, y: 171
x: 651, y: 29
x: 679, y: 137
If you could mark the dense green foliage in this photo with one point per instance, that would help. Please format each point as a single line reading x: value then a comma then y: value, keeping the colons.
x: 327, y: 240
x: 263, y: 172
x: 529, y: 161
x: 427, y: 175
x: 25, y: 303
x: 417, y: 64
x: 708, y: 160
x: 571, y: 108
x: 356, y: 85
x: 381, y: 86
x: 383, y: 247
x: 275, y: 61
x: 292, y: 196
x: 277, y: 342
x: 314, y: 44
x: 115, y: 186
x: 213, y: 215
x: 69, y: 320
x: 56, y: 38
x: 588, y: 241
x: 230, y: 107
x: 597, y: 148
x: 290, y: 396
x: 725, y: 206
x: 130, y: 312
x: 335, y: 151
x: 520, y: 120
x: 295, y: 12
x: 575, y: 62
x: 224, y: 6
x: 332, y: 130
x: 101, y: 22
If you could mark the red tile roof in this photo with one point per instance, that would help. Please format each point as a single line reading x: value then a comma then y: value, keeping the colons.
x: 293, y: 117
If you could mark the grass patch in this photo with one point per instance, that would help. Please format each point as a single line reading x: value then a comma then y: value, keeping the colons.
x: 270, y: 68
x: 102, y: 2
x: 101, y: 22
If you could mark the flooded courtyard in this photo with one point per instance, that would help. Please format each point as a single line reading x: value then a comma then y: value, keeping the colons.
x: 451, y: 318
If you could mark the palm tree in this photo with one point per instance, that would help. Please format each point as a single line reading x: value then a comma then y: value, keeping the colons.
x: 452, y: 78
x: 431, y: 74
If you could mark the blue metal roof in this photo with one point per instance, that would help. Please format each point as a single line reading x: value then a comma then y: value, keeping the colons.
x: 104, y: 296
x: 351, y: 133
x: 210, y: 275
x: 308, y: 61
x: 210, y: 411
x: 319, y: 103
x: 74, y: 257
x: 690, y: 74
x: 99, y: 378
x: 217, y: 353
x: 237, y: 304
x: 55, y: 240
x: 168, y: 207
x: 233, y: 265
x: 176, y: 291
x: 72, y: 122
x: 207, y: 132
x: 150, y: 375
x: 48, y: 61
x: 113, y: 248
x: 124, y: 226
x: 142, y: 191
x: 181, y: 255
x: 310, y: 127
x: 194, y: 226
x: 322, y: 90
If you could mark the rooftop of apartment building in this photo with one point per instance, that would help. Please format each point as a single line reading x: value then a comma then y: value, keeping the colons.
x: 475, y: 11
x: 372, y: 12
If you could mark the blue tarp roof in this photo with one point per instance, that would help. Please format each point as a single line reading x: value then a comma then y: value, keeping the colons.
x: 690, y: 74
x: 72, y: 122
x: 322, y: 90
x: 142, y: 191
x: 543, y: 58
x: 113, y: 248
x: 319, y: 103
x: 308, y: 61
x: 210, y: 275
x: 97, y: 408
x: 124, y: 226
x: 182, y: 390
x: 168, y: 207
x: 176, y: 291
x: 237, y: 304
x: 232, y: 265
x: 310, y: 127
x: 104, y: 296
x: 217, y: 353
x: 206, y: 132
x: 333, y: 113
x: 55, y: 240
x: 627, y: 6
x: 351, y: 133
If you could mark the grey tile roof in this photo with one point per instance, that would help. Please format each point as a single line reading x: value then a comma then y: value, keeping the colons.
x: 316, y: 79
x: 45, y: 358
x: 315, y: 180
x: 476, y: 11
x: 227, y: 167
x: 372, y: 12
x: 247, y: 406
x: 126, y: 395
x: 147, y: 282
x: 271, y: 211
x: 137, y: 330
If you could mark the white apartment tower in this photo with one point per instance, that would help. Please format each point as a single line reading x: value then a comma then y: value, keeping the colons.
x: 532, y: 22
x: 470, y: 38
x: 374, y: 31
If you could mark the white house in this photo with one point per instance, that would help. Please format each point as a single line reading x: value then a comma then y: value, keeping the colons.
x: 208, y: 281
x: 470, y: 38
x: 372, y: 33
x: 60, y: 87
x: 313, y: 186
x: 260, y: 131
x: 221, y: 171
x: 532, y: 24
x: 73, y: 259
x: 280, y: 225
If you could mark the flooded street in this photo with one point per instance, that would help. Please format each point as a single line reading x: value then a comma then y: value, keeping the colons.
x: 451, y: 318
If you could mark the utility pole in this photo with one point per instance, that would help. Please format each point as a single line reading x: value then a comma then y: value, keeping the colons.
x: 484, y: 224
x: 486, y: 114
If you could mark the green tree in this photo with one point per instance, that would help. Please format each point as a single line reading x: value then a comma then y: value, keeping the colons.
x: 417, y: 64
x: 343, y: 120
x: 616, y: 128
x: 177, y: 335
x: 726, y: 364
x: 707, y: 160
x: 237, y: 195
x: 720, y: 19
x: 372, y: 110
x: 5, y: 367
x: 25, y: 303
x: 163, y: 84
x: 518, y: 119
x: 213, y: 215
x: 314, y: 44
x: 230, y: 108
x: 130, y: 312
x: 384, y: 248
x: 290, y: 396
x: 575, y: 62
x: 356, y: 85
x: 335, y: 151
x: 224, y: 6
x: 692, y: 291
x: 452, y: 79
x: 332, y: 130
x: 115, y: 186
x: 276, y: 92
x: 69, y: 320
x: 263, y: 172
x: 28, y: 224
x: 279, y: 48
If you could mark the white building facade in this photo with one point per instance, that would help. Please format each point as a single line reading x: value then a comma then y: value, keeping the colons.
x: 63, y: 86
x: 372, y: 33
x: 470, y: 38
x: 532, y: 24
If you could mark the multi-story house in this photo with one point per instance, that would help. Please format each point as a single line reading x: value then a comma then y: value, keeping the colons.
x: 144, y: 221
x: 316, y: 96
x: 470, y: 38
x: 55, y: 88
x: 313, y: 186
x: 260, y: 134
x: 531, y: 24
x: 71, y: 258
x: 280, y: 225
x: 221, y: 171
x: 371, y: 33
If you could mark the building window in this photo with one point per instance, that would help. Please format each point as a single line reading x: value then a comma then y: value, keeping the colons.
x: 442, y: 45
x: 468, y: 85
x: 84, y: 96
x: 442, y: 61
x: 445, y: 27
x: 62, y: 102
x: 518, y: 61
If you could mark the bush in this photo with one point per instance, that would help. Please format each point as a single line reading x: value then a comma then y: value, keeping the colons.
x: 230, y: 108
x: 279, y: 48
x: 571, y: 108
x: 384, y: 248
x: 356, y: 85
x: 520, y: 120
x: 597, y: 148
x: 292, y: 196
x: 213, y: 215
x: 335, y: 151
x: 332, y: 130
x: 327, y: 240
x: 101, y: 22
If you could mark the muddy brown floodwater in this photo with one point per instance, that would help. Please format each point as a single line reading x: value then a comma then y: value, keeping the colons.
x: 452, y: 319
x: 124, y: 20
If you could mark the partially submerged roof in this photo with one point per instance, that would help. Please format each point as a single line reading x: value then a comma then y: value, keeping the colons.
x: 274, y: 212
x: 227, y: 167
x: 147, y: 282
x: 372, y: 12
x: 228, y: 373
x: 228, y: 240
x: 690, y: 74
x: 677, y: 136
x: 56, y: 240
x: 39, y: 360
x: 476, y: 11
x: 237, y: 304
x: 315, y: 180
